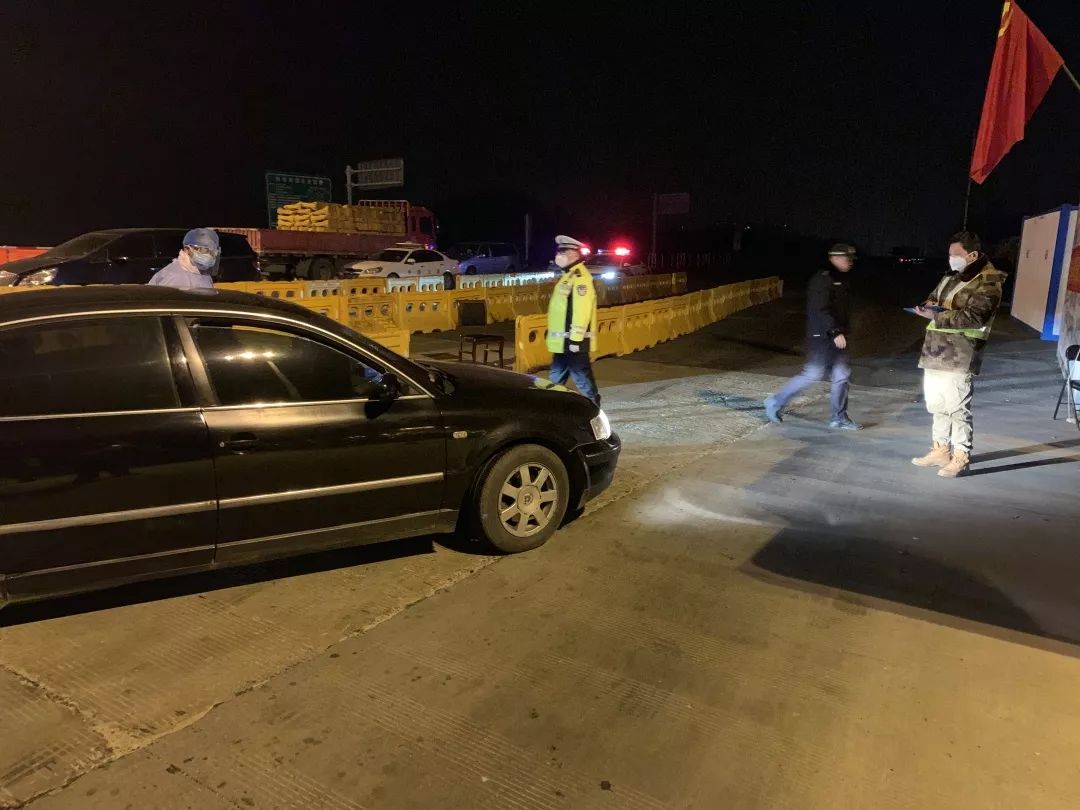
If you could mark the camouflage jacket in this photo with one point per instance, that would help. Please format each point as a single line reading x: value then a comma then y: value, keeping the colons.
x: 971, y: 300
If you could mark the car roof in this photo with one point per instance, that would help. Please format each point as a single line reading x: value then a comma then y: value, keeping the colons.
x: 110, y: 298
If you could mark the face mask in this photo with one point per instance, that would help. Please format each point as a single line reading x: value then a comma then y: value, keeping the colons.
x: 204, y: 261
x: 562, y: 260
x: 957, y: 263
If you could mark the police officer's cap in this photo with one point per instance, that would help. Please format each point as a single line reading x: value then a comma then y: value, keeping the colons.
x: 562, y: 242
x: 841, y: 249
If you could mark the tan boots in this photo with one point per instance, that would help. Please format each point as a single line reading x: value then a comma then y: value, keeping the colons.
x: 939, y: 456
x: 953, y: 465
x: 957, y: 467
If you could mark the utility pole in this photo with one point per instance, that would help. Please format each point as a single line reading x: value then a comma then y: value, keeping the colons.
x: 655, y: 224
x: 528, y: 237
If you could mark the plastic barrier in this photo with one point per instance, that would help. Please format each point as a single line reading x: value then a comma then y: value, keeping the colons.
x: 638, y: 328
x: 369, y: 286
x: 500, y: 304
x: 321, y: 289
x: 288, y: 290
x: 425, y: 312
x: 373, y: 313
x: 396, y: 340
x: 329, y: 306
x: 530, y: 346
x: 607, y: 340
x: 633, y: 327
x: 663, y: 327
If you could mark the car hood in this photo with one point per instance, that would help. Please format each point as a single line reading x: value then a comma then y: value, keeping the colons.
x: 370, y: 264
x: 496, y: 383
x: 21, y: 267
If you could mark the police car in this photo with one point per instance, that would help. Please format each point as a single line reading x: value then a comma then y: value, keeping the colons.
x: 615, y: 263
x: 406, y: 260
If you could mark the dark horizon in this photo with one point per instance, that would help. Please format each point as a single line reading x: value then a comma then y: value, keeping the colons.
x: 835, y: 121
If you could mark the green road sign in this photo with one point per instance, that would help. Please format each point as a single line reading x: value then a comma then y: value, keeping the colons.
x: 283, y: 188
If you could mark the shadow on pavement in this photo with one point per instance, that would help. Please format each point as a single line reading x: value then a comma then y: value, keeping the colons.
x: 210, y: 581
x: 877, y: 569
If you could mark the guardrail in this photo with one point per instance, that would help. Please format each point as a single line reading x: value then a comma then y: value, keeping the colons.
x: 634, y: 327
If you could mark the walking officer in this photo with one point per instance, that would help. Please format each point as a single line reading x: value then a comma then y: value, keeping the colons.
x: 828, y: 322
x: 572, y: 319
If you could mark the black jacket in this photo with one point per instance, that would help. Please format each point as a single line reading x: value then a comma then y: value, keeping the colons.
x: 828, y: 304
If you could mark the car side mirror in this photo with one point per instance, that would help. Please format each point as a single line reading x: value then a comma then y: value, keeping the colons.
x: 389, y: 388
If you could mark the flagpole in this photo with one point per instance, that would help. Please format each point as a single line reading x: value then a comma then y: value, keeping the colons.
x: 1069, y: 73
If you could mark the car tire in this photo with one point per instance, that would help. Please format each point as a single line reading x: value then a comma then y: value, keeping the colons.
x: 322, y: 269
x: 470, y: 271
x: 540, y: 502
x: 511, y: 269
x: 448, y: 281
x: 392, y: 275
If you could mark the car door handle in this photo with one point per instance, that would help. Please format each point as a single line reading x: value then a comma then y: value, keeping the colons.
x: 240, y: 442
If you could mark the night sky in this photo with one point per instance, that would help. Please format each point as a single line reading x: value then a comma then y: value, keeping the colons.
x: 846, y: 119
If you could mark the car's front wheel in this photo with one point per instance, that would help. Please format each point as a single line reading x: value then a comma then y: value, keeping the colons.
x: 522, y: 498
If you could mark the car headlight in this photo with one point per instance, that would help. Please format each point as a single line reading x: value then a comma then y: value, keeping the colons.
x: 601, y: 427
x: 39, y: 277
x: 610, y: 275
x: 7, y: 279
x: 371, y: 270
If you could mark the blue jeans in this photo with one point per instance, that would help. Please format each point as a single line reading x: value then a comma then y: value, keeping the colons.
x: 578, y: 366
x: 822, y: 359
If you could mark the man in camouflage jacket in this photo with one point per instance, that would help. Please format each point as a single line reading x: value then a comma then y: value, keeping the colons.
x: 961, y: 311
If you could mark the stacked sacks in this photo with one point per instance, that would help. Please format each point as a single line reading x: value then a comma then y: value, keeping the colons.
x: 324, y: 217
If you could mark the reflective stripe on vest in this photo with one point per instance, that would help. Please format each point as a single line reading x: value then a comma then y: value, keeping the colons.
x: 974, y: 334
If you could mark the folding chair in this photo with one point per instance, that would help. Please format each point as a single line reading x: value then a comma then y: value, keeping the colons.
x: 472, y: 314
x: 1069, y: 386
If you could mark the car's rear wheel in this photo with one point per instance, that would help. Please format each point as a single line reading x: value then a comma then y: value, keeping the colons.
x: 448, y: 281
x: 392, y: 275
x: 511, y: 269
x: 522, y: 499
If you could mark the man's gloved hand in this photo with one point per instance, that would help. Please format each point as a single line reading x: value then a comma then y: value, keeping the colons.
x: 575, y: 348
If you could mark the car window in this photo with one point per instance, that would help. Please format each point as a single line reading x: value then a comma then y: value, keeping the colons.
x: 80, y: 246
x: 167, y: 243
x: 233, y: 245
x: 251, y: 365
x: 394, y: 256
x: 88, y: 365
x: 503, y: 250
x: 132, y: 246
x: 427, y: 256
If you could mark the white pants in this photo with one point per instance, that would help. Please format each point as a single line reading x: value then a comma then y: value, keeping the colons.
x: 948, y: 399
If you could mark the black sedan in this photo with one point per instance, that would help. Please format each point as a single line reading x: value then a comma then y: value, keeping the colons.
x: 124, y: 256
x: 146, y: 431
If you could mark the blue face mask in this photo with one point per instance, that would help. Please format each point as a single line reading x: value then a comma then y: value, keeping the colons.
x: 204, y: 261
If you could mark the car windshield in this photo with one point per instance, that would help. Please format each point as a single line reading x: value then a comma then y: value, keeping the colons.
x: 397, y: 256
x: 462, y: 251
x: 80, y: 246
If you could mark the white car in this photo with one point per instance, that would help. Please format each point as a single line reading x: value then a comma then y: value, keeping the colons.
x: 405, y: 261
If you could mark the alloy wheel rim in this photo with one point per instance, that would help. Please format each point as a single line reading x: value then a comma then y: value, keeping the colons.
x: 527, y: 500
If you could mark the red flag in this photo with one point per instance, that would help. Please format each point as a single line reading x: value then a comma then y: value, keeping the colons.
x: 1025, y: 64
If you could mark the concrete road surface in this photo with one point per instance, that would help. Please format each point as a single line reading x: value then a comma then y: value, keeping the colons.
x: 756, y: 616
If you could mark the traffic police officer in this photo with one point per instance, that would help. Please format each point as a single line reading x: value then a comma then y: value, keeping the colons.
x: 572, y: 319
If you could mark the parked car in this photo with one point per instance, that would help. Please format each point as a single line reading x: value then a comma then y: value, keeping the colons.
x: 146, y: 431
x: 124, y: 256
x: 406, y: 261
x: 486, y: 257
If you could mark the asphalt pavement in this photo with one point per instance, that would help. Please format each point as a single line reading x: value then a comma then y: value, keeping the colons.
x: 755, y: 616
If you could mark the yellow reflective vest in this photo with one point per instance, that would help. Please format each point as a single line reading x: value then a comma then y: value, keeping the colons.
x: 572, y: 311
